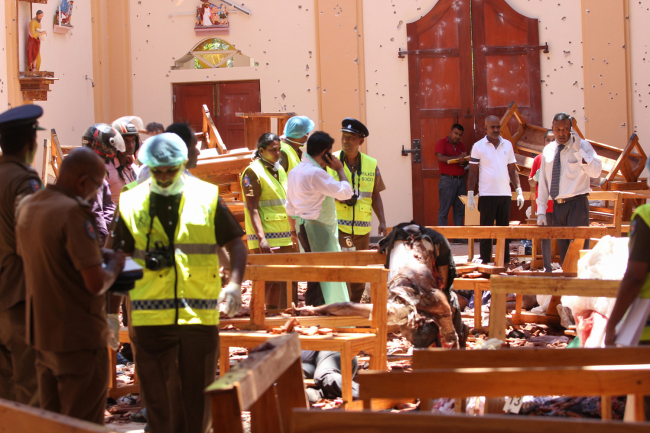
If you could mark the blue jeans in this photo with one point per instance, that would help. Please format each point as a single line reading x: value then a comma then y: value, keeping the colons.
x: 449, y: 188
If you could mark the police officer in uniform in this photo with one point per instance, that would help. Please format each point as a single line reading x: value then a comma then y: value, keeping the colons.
x: 354, y: 215
x: 172, y: 224
x: 57, y: 239
x: 18, y: 179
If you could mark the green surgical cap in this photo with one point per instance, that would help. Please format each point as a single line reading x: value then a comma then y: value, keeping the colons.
x: 163, y: 150
x: 298, y: 126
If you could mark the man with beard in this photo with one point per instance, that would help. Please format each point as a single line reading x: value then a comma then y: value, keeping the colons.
x: 34, y: 43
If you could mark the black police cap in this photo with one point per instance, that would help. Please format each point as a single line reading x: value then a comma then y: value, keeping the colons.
x: 353, y: 125
x: 22, y: 116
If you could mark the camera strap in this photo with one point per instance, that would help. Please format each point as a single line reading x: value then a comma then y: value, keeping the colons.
x: 152, y: 215
x: 345, y: 160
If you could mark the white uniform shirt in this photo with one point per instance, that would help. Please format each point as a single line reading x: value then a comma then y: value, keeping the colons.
x: 574, y: 175
x: 308, y: 185
x: 493, y: 177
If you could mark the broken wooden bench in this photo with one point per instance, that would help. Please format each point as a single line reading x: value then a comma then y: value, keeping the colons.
x: 268, y: 384
x: 427, y: 359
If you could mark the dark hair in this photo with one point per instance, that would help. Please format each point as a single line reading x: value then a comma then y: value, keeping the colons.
x: 457, y: 126
x: 548, y: 131
x: 183, y: 130
x: 319, y: 141
x: 264, y: 141
x: 560, y: 117
x: 153, y: 127
x: 13, y: 140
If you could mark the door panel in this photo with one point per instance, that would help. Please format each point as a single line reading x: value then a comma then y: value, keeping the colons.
x: 239, y: 97
x: 188, y: 100
x: 438, y: 98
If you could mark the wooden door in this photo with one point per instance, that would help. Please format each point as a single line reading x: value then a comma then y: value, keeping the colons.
x: 445, y: 87
x: 238, y: 97
x: 440, y: 94
x: 189, y: 100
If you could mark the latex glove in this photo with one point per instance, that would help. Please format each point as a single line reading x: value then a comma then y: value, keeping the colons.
x: 520, y: 198
x: 529, y: 211
x: 113, y: 321
x: 471, y: 203
x: 585, y: 156
x: 232, y: 295
x: 541, y: 220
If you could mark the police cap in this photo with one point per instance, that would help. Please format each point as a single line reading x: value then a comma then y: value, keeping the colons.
x: 353, y: 125
x: 23, y: 116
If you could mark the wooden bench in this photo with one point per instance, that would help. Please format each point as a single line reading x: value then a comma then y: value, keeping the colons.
x: 305, y: 421
x: 256, y: 124
x: 501, y: 382
x: 20, y: 418
x: 348, y: 344
x: 115, y: 391
x: 426, y: 359
x: 268, y: 384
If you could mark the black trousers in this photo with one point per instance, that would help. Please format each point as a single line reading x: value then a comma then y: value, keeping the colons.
x: 494, y: 209
x: 570, y: 214
x: 314, y: 294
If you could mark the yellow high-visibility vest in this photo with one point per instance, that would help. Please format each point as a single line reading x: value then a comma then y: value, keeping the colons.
x: 292, y: 155
x: 356, y: 219
x: 643, y: 212
x: 271, y: 207
x: 186, y: 293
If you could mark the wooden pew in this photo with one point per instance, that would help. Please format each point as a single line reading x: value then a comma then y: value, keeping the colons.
x: 305, y: 421
x: 211, y: 138
x: 115, y: 391
x: 501, y: 382
x: 256, y: 124
x: 425, y: 359
x: 500, y: 286
x: 20, y: 418
x: 268, y: 383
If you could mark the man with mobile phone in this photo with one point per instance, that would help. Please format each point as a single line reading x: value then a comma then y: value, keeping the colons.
x: 311, y: 192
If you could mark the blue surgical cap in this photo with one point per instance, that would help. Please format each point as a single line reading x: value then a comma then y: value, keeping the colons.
x: 163, y: 150
x: 298, y: 126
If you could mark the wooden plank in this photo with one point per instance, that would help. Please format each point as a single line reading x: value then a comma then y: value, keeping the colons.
x: 282, y: 115
x: 349, y: 258
x: 311, y: 421
x: 570, y: 263
x: 20, y: 418
x: 574, y: 381
x: 325, y: 321
x: 554, y: 286
x: 379, y: 297
x: 291, y: 393
x: 519, y: 232
x: 226, y: 412
x: 350, y: 274
x: 265, y: 416
x: 528, y: 357
x: 259, y: 371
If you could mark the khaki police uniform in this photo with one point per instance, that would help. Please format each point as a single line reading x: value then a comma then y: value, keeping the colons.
x: 17, y: 358
x: 276, y: 293
x: 57, y: 238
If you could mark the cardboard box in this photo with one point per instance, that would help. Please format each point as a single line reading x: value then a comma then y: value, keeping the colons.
x: 472, y: 217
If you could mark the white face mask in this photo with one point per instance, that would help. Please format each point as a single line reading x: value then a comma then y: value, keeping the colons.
x: 276, y: 165
x: 294, y: 142
x: 175, y: 188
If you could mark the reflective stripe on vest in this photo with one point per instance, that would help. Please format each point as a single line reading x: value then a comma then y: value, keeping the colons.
x: 357, y: 219
x: 292, y: 155
x: 186, y: 293
x: 271, y: 208
x: 643, y: 212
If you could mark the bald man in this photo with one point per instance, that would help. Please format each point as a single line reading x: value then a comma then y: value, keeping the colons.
x: 493, y: 161
x: 65, y: 282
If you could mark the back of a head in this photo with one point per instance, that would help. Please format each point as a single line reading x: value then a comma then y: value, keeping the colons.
x: 14, y: 140
x: 183, y: 130
x: 80, y: 161
x: 318, y: 142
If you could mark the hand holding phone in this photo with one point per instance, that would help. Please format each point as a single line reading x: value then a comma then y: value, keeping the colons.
x: 332, y: 161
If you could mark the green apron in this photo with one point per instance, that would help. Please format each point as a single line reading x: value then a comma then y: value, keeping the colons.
x: 323, y: 235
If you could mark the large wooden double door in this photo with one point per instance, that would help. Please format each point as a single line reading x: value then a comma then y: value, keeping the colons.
x: 223, y: 100
x: 467, y: 59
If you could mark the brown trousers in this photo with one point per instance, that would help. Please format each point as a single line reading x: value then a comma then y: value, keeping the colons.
x: 175, y: 363
x: 74, y: 383
x: 360, y: 242
x: 17, y: 359
x: 276, y: 291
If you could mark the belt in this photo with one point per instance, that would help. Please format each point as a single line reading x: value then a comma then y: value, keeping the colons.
x: 568, y: 199
x: 453, y: 177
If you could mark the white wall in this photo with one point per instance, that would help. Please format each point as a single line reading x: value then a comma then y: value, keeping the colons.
x: 640, y: 59
x: 278, y: 35
x: 387, y: 82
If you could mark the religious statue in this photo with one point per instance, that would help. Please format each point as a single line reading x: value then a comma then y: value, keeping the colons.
x: 36, y: 34
x: 64, y: 13
x: 209, y: 15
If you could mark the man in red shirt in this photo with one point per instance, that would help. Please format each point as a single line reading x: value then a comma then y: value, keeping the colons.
x: 452, y: 176
x: 532, y: 180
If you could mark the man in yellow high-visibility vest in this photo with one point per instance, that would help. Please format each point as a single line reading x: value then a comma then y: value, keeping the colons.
x: 354, y: 215
x: 296, y: 133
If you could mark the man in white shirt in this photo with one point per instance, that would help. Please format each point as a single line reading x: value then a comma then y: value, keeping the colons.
x: 311, y: 191
x: 567, y: 164
x: 493, y: 160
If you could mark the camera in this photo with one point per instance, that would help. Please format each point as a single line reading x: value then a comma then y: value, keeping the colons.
x: 159, y: 258
x: 352, y: 201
